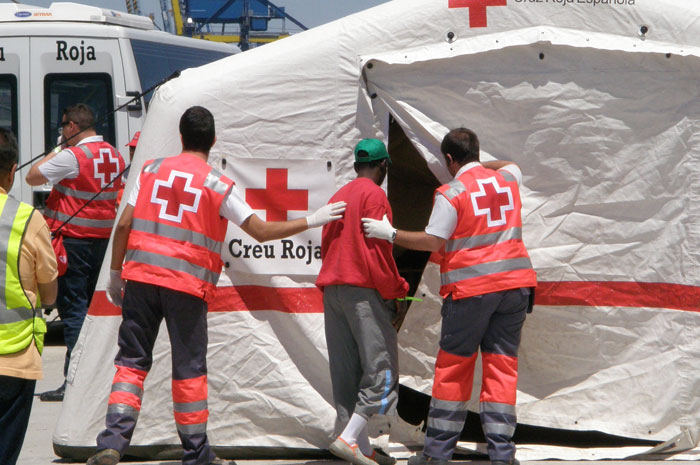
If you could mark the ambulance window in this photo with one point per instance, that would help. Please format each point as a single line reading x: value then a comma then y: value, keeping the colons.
x: 64, y: 90
x: 156, y: 61
x: 8, y: 103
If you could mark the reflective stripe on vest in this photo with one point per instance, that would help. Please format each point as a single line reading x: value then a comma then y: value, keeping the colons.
x: 19, y: 323
x: 485, y: 269
x: 179, y: 234
x: 213, y: 181
x: 485, y: 252
x: 483, y: 239
x: 98, y: 164
x: 172, y: 264
x: 85, y: 195
x: 78, y: 221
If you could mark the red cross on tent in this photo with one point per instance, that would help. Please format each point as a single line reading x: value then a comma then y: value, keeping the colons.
x: 477, y: 9
x: 493, y: 201
x: 106, y: 166
x: 277, y: 199
x: 176, y: 196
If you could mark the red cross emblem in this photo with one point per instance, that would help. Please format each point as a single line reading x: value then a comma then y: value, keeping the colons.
x: 175, y: 196
x: 493, y: 201
x: 276, y: 199
x: 477, y: 9
x: 106, y: 166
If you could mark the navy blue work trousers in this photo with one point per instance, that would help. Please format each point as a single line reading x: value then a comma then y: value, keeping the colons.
x: 16, y: 396
x: 145, y: 307
x: 76, y: 286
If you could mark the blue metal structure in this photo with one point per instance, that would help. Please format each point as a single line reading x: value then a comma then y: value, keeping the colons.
x: 252, y: 17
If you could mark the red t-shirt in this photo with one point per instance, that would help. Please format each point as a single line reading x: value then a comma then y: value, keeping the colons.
x: 349, y: 257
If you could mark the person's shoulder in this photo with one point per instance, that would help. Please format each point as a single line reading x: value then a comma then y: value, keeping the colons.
x: 512, y: 172
x: 36, y: 225
x: 104, y: 143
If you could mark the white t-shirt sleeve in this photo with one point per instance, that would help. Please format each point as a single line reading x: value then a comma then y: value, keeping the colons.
x: 134, y: 192
x: 443, y: 218
x: 234, y: 207
x: 62, y: 166
x: 515, y: 171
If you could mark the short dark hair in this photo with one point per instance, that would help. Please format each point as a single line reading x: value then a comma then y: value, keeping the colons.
x: 462, y: 144
x: 81, y: 115
x: 8, y: 151
x: 368, y: 164
x: 7, y: 137
x: 197, y: 129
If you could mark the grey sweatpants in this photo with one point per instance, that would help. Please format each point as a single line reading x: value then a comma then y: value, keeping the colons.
x: 362, y: 352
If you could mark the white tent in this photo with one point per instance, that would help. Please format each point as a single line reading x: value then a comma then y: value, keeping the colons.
x: 597, y: 101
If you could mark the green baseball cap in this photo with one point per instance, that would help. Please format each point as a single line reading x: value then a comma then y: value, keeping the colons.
x: 368, y: 150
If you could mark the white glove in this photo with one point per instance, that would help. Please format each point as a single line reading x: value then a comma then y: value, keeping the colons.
x: 380, y: 229
x: 326, y: 214
x: 115, y: 287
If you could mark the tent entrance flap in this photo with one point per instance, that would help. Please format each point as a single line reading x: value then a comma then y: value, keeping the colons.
x: 411, y: 185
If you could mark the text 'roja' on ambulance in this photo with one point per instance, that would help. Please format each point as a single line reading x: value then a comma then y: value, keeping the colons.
x: 51, y: 58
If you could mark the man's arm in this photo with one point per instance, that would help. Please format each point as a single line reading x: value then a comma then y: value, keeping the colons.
x: 418, y: 240
x: 496, y: 164
x: 115, y: 284
x: 48, y: 292
x: 121, y: 237
x: 263, y: 231
x: 44, y: 259
x: 415, y: 240
x: 34, y: 176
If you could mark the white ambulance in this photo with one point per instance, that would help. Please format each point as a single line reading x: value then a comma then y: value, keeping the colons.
x: 68, y: 53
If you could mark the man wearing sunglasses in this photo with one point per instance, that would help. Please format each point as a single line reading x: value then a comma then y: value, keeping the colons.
x: 88, y: 166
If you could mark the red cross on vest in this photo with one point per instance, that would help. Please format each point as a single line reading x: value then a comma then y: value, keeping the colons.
x: 493, y: 201
x: 106, y: 166
x: 477, y: 9
x: 276, y: 199
x: 175, y: 196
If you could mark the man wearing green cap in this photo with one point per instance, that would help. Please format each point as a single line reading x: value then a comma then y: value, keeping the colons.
x: 360, y: 281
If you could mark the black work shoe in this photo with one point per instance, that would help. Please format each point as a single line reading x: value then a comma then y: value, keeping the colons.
x: 505, y: 462
x: 54, y: 396
x: 425, y: 460
x: 104, y: 457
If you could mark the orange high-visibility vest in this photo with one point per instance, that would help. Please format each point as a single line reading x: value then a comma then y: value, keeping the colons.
x: 177, y: 231
x: 486, y: 251
x: 98, y: 163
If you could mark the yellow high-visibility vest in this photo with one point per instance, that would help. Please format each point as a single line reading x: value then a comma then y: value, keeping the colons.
x: 20, y: 322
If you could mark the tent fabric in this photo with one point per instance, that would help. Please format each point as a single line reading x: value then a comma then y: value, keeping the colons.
x: 603, y: 120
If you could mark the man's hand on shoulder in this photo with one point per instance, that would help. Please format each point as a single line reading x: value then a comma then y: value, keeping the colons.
x: 326, y: 214
x: 379, y: 229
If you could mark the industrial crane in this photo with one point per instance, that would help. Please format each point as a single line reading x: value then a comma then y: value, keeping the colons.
x: 197, y: 18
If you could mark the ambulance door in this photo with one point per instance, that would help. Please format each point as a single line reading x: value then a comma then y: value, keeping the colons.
x: 14, y: 102
x: 70, y: 70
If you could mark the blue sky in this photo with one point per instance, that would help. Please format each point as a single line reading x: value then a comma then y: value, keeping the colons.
x: 309, y: 12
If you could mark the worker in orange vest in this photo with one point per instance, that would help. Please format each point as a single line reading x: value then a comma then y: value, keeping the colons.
x: 167, y: 246
x: 487, y: 280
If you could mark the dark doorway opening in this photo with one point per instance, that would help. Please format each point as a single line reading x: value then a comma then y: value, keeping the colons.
x: 410, y: 186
